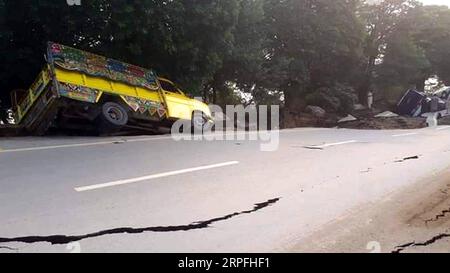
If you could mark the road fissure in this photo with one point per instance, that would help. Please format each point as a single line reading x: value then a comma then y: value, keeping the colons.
x: 65, y: 239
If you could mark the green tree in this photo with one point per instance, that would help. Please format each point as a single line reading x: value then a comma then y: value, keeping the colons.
x: 381, y: 20
x: 241, y: 67
x: 432, y: 33
x: 404, y: 66
x: 26, y: 27
x: 296, y: 51
x: 313, y: 44
x: 184, y: 40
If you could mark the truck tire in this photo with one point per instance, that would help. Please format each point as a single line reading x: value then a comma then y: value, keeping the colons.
x: 113, y: 116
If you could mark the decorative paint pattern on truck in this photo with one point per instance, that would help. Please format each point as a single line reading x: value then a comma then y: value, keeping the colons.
x: 77, y: 60
x: 145, y: 106
x: 78, y: 92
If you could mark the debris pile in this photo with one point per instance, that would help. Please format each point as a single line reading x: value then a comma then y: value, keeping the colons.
x: 387, y: 114
x: 315, y: 117
x: 414, y: 110
x: 385, y: 123
x: 365, y: 118
x: 347, y: 119
x: 444, y: 121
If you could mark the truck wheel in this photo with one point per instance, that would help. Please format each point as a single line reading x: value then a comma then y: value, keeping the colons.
x: 112, y: 116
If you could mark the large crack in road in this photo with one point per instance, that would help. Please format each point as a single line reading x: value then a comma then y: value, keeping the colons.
x: 443, y: 214
x: 431, y: 241
x: 65, y: 239
x: 8, y: 248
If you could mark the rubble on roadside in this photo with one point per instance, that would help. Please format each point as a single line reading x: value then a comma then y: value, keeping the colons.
x: 386, y: 123
x: 382, y: 120
x: 444, y: 121
x: 295, y: 120
x: 316, y: 111
x: 414, y: 110
x: 347, y: 119
x: 387, y: 114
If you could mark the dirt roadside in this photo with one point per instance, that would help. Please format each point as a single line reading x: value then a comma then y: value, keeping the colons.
x: 415, y: 219
x: 385, y: 123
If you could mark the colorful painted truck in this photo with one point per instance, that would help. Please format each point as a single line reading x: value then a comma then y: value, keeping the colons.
x: 77, y: 89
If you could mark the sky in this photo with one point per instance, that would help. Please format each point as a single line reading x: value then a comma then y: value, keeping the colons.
x: 436, y: 2
x: 426, y: 2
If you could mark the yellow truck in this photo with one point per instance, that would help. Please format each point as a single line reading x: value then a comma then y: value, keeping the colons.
x: 80, y: 90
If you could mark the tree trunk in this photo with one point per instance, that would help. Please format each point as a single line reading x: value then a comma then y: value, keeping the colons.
x: 214, y: 95
x: 218, y: 84
x: 363, y: 91
x: 205, y: 94
x: 288, y: 101
x: 364, y: 88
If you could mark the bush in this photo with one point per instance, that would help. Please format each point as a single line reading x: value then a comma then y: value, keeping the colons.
x: 339, y: 99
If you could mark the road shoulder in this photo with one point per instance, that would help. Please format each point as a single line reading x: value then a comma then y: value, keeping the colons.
x: 413, y: 219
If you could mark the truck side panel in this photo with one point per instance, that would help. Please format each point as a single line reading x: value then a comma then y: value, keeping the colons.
x: 42, y: 113
x: 79, y: 86
x: 104, y: 85
x: 33, y: 94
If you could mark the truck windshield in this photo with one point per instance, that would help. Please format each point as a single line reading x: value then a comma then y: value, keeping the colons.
x: 169, y: 87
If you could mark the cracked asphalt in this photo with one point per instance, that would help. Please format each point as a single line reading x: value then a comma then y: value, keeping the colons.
x: 325, y: 190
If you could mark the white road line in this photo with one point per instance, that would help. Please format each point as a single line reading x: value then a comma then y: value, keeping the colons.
x: 331, y: 144
x: 81, y: 144
x: 407, y: 134
x: 443, y: 128
x: 55, y: 147
x: 337, y: 143
x: 153, y: 176
x: 143, y: 139
x: 112, y: 141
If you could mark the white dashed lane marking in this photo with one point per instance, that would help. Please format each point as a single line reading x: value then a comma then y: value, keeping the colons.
x: 153, y: 176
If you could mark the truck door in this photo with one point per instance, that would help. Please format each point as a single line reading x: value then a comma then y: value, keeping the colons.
x: 178, y: 105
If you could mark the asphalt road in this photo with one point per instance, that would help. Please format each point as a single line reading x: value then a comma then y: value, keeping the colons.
x: 155, y: 194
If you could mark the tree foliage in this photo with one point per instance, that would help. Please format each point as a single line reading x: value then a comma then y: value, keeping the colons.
x: 310, y: 42
x: 431, y: 30
x: 295, y: 52
x: 415, y: 51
